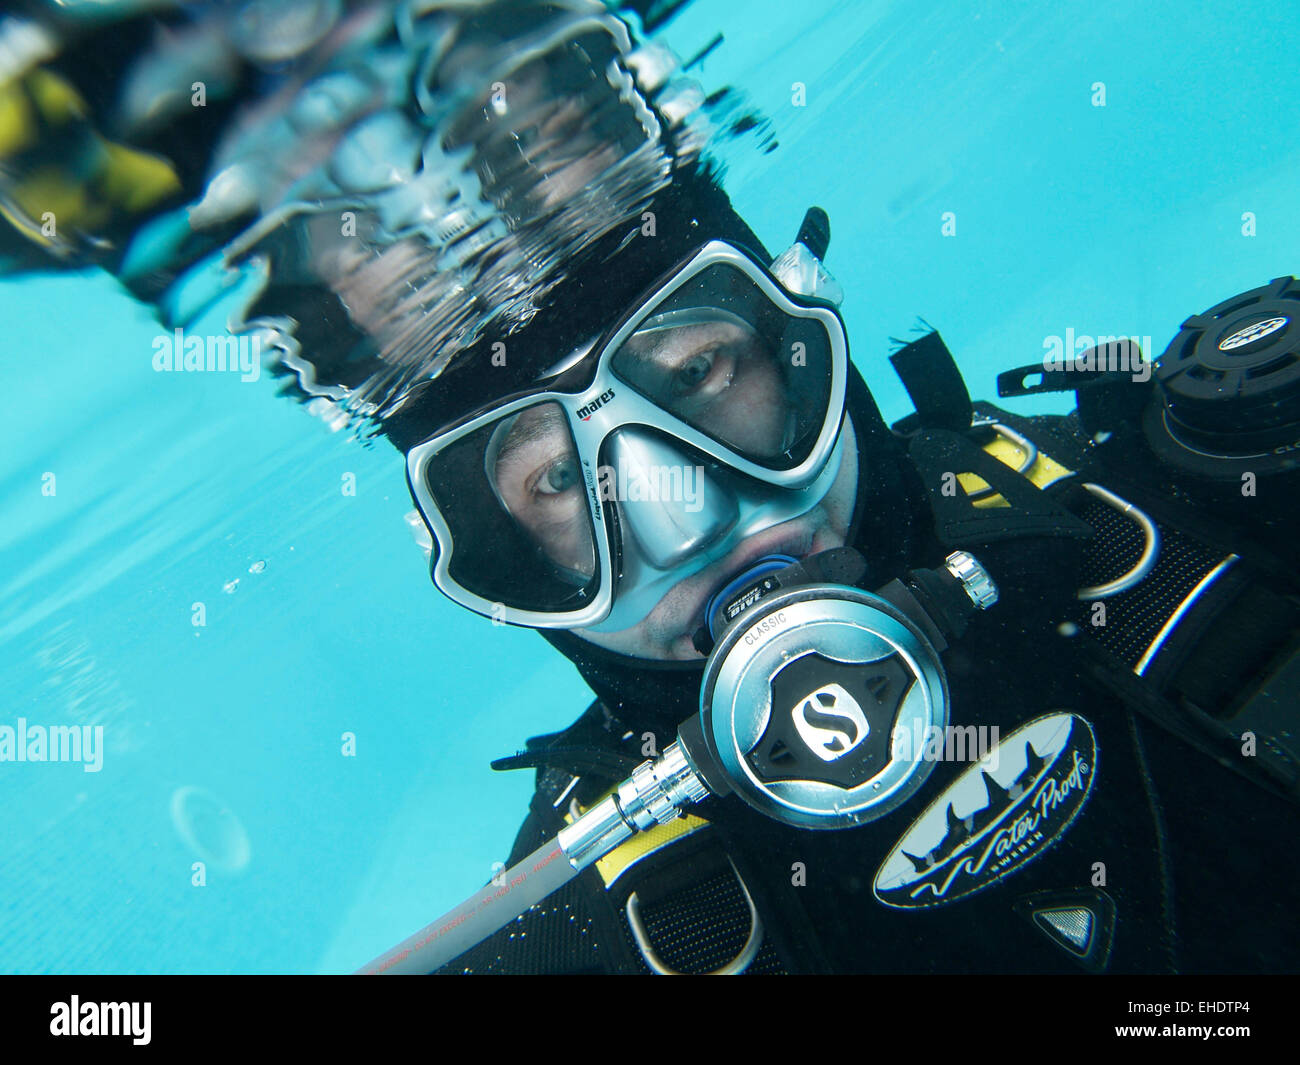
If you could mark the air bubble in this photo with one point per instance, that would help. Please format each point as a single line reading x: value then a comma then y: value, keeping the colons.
x: 210, y: 829
x: 230, y: 586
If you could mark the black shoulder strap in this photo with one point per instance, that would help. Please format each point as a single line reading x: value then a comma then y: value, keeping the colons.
x: 930, y: 375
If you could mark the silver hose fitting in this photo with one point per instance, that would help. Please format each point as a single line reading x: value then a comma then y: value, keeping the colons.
x: 974, y: 578
x: 657, y: 791
x: 653, y: 795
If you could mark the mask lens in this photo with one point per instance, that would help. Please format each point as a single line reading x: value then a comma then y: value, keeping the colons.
x: 719, y: 355
x: 514, y: 498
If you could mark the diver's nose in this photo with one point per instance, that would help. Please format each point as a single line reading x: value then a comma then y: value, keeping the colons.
x: 670, y: 506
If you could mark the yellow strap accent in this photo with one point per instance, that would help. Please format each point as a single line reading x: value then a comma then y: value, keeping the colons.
x: 1042, y: 473
x: 620, y: 859
x: 108, y: 178
x: 135, y: 180
x: 623, y: 857
x: 51, y: 189
x: 57, y: 101
x: 17, y: 123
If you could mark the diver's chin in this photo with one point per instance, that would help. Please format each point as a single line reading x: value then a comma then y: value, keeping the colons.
x: 684, y: 650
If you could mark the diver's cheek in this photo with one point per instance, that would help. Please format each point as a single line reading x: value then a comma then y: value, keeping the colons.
x: 844, y: 492
x: 572, y: 546
x: 684, y: 650
x: 756, y: 411
x: 835, y: 513
x: 559, y: 528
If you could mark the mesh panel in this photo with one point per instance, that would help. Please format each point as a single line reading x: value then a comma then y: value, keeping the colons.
x: 697, y: 929
x: 703, y: 927
x: 1134, y: 617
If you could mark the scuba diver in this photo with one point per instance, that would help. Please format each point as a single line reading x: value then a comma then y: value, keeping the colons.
x: 973, y: 692
x: 1133, y: 650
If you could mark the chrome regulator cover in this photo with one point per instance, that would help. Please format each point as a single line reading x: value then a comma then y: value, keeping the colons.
x: 817, y: 702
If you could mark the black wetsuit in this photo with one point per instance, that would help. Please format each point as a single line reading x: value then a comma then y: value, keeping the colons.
x: 1177, y: 861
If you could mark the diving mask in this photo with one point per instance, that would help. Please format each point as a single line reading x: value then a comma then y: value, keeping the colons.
x: 709, y: 413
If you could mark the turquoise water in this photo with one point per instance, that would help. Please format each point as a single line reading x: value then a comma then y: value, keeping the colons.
x: 225, y: 742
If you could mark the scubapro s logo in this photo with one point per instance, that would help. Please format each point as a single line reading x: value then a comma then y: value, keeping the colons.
x: 830, y: 721
x: 1253, y: 332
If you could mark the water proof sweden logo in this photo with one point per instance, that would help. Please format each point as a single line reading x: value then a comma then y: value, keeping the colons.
x: 830, y: 722
x: 998, y: 816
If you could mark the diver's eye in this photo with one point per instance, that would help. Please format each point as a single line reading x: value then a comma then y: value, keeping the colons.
x: 694, y: 372
x: 558, y: 477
